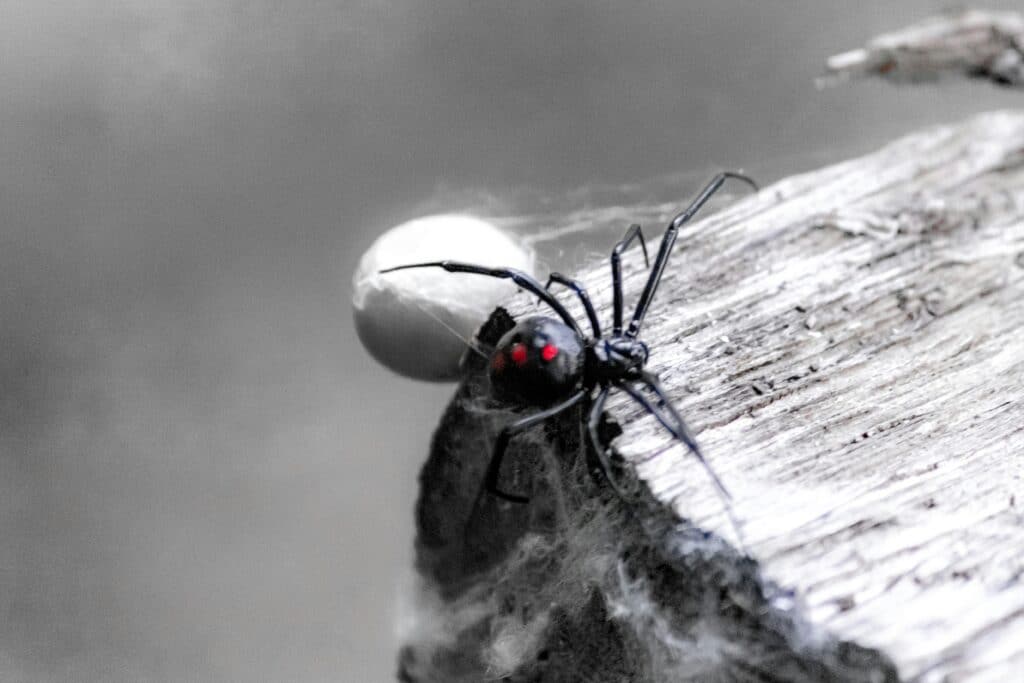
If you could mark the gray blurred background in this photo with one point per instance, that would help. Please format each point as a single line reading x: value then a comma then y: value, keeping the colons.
x: 202, y: 474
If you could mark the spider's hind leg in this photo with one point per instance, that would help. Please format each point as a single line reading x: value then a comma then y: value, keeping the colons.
x: 581, y: 292
x: 524, y: 280
x: 505, y: 437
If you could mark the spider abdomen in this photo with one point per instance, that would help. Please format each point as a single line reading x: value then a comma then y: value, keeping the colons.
x: 537, y: 362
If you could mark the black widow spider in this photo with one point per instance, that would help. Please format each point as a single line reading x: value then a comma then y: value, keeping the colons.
x: 545, y: 363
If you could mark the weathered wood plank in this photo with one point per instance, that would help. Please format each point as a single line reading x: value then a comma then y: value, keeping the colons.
x: 847, y: 346
x: 975, y: 43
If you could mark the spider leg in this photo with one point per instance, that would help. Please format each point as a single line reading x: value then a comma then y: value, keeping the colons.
x: 581, y: 292
x: 670, y: 418
x: 602, y: 463
x: 506, y: 435
x: 673, y: 422
x: 661, y: 260
x: 522, y: 279
x: 633, y: 233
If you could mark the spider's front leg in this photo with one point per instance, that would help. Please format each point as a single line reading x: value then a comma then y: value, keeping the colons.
x: 670, y: 419
x: 633, y: 233
x: 669, y: 238
x: 666, y: 413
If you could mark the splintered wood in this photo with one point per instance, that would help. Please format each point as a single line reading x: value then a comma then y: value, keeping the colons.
x: 847, y: 346
x: 973, y: 42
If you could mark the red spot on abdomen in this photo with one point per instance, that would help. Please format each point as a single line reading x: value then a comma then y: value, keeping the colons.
x: 549, y: 352
x: 519, y: 354
x: 498, y: 362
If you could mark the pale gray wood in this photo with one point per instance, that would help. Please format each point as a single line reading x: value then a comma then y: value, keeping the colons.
x: 970, y: 42
x: 848, y: 345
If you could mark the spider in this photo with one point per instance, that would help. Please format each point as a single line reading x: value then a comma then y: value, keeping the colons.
x: 552, y: 365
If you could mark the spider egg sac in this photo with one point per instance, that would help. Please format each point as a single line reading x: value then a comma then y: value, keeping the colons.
x: 416, y: 322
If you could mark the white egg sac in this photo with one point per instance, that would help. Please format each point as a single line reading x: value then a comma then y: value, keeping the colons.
x: 416, y: 322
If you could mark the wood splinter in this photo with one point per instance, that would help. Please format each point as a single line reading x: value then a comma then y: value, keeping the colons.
x: 976, y: 43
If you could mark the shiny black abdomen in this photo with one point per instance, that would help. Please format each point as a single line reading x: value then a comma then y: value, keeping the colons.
x: 538, y: 362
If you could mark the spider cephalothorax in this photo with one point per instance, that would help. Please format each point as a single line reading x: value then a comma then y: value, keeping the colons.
x: 552, y: 365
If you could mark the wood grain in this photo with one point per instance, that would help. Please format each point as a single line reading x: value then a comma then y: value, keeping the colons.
x: 976, y: 43
x: 847, y: 345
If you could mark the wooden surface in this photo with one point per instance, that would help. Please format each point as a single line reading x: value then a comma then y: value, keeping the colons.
x: 848, y: 346
x: 974, y: 43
